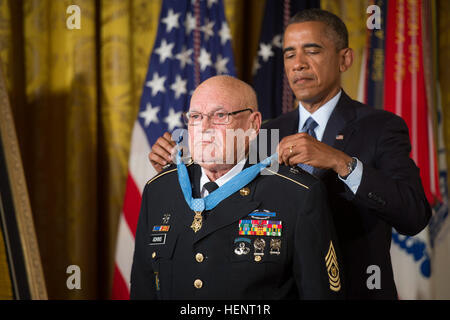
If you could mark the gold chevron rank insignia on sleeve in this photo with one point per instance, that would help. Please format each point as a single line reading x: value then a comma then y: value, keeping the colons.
x: 333, y: 269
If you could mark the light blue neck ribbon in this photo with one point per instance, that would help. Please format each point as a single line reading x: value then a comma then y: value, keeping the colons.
x: 215, y: 197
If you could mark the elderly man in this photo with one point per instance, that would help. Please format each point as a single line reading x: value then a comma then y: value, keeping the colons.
x: 361, y: 154
x: 263, y: 236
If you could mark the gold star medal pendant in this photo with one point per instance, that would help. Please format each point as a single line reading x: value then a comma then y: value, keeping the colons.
x: 198, y: 206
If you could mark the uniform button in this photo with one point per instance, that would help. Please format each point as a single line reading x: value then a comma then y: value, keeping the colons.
x: 370, y: 195
x: 199, y: 257
x: 244, y: 191
x: 198, y: 283
x: 154, y: 255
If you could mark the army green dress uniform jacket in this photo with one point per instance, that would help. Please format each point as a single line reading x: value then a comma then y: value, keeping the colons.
x: 293, y: 254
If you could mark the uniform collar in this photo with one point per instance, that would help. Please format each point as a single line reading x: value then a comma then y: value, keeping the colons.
x: 223, y: 179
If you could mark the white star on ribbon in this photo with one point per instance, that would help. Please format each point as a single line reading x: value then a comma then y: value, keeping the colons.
x: 224, y: 33
x: 150, y: 115
x: 173, y: 120
x: 184, y: 57
x: 265, y: 51
x: 171, y: 21
x: 204, y: 59
x: 221, y: 64
x: 156, y: 84
x: 179, y: 86
x: 164, y: 51
x: 189, y: 23
x: 208, y: 29
x: 277, y: 41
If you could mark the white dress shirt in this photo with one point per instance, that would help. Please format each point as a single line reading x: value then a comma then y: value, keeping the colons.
x: 223, y: 179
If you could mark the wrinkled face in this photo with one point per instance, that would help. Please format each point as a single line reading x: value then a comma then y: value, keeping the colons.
x: 311, y: 61
x: 212, y: 145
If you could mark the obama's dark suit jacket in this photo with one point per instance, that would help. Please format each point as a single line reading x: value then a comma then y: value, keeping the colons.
x: 390, y: 194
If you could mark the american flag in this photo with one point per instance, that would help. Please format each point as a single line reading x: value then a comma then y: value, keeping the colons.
x: 193, y: 43
x: 271, y: 85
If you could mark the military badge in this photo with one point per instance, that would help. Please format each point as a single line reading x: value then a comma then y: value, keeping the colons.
x: 332, y: 269
x: 242, y: 246
x: 262, y: 214
x: 244, y: 191
x: 259, y: 245
x: 275, y: 245
x: 165, y: 219
x: 294, y: 170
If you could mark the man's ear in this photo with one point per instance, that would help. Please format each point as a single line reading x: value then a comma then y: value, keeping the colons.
x: 347, y: 56
x: 256, y: 119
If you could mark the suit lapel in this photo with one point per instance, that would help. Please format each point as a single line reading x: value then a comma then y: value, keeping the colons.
x: 338, y: 130
x: 291, y: 124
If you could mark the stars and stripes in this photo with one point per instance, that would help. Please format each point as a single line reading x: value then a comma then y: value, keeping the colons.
x: 170, y: 81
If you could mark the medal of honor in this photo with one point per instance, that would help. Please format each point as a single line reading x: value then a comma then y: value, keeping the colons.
x: 214, y: 198
x: 197, y: 223
x: 198, y: 206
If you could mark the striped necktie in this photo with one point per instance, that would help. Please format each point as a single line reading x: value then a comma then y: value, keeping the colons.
x: 308, y: 127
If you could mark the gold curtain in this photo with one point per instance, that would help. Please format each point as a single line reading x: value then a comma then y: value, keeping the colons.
x: 59, y: 139
x: 127, y: 32
x: 75, y: 96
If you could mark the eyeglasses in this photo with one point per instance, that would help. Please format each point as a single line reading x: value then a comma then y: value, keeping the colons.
x: 218, y: 117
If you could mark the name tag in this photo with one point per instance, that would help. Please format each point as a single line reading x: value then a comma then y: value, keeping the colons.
x: 157, y: 239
